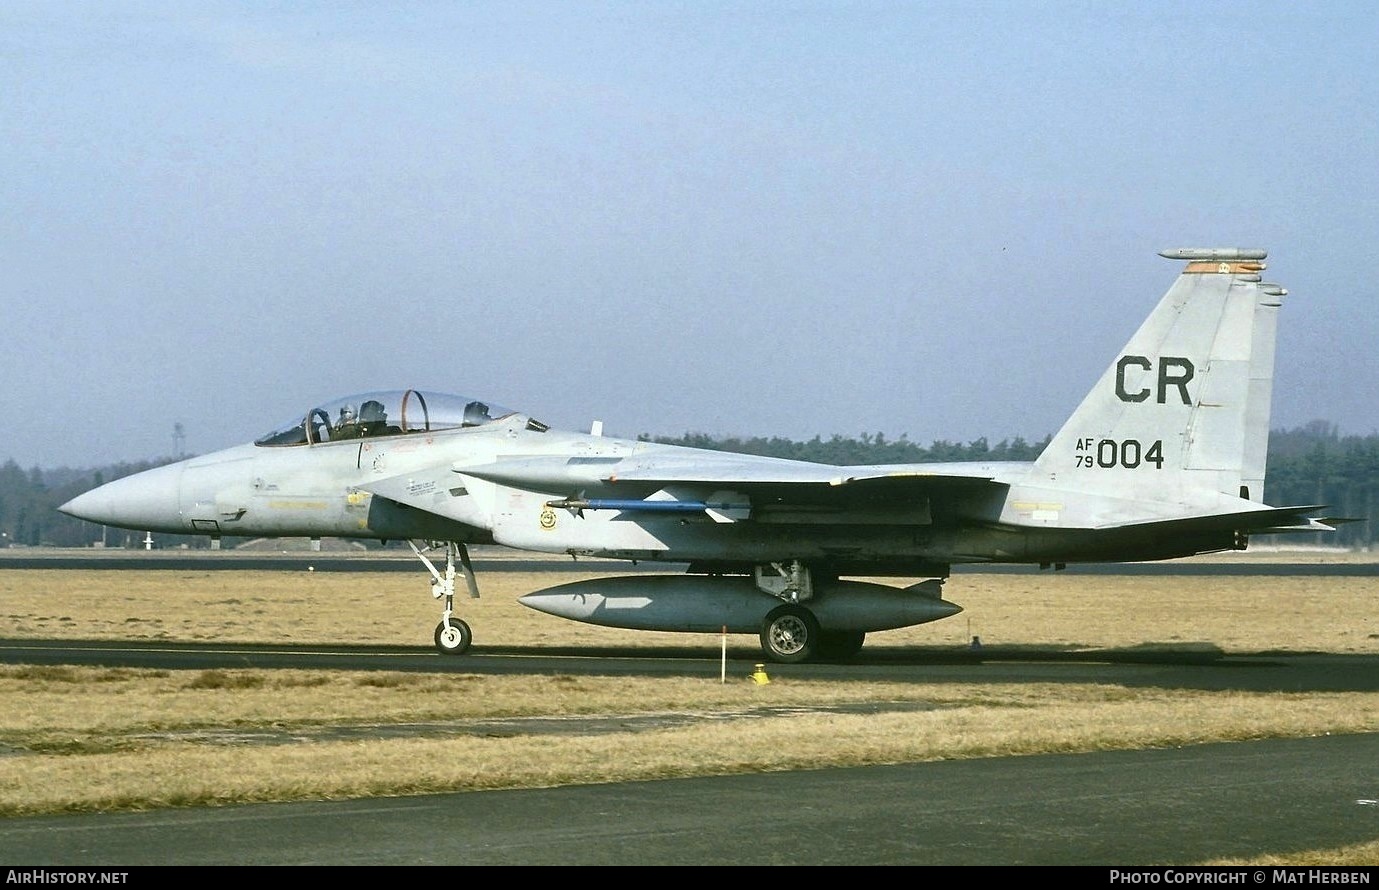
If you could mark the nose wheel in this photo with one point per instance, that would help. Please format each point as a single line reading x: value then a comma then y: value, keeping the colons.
x: 453, y: 637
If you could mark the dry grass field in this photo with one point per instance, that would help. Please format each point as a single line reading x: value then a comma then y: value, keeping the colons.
x: 84, y: 739
x: 1234, y: 613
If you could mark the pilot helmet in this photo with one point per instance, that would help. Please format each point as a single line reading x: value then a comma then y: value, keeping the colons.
x: 371, y: 410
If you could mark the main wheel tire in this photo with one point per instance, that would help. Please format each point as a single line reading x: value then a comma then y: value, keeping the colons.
x: 837, y: 645
x: 453, y: 637
x: 790, y: 634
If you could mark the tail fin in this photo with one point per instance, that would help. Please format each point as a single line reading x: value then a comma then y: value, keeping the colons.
x: 1182, y: 414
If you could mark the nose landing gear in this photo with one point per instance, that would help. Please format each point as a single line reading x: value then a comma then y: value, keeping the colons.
x: 453, y: 635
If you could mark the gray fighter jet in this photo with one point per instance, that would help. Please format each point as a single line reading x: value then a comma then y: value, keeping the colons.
x: 1164, y: 458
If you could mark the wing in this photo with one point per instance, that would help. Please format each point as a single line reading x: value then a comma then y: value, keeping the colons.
x: 550, y: 472
x: 725, y: 486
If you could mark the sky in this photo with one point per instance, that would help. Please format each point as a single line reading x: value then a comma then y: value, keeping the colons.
x: 933, y: 219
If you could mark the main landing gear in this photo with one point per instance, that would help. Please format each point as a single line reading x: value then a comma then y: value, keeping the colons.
x: 453, y: 635
x: 790, y: 633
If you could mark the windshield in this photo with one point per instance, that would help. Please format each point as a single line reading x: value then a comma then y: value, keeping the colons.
x: 387, y: 413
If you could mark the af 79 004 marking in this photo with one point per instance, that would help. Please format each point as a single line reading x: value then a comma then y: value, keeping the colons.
x: 1129, y: 454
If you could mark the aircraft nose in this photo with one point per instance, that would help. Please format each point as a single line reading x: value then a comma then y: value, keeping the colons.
x: 144, y: 501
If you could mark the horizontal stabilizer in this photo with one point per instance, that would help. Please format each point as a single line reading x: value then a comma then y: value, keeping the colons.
x: 1308, y: 525
x: 1269, y: 520
x: 1329, y: 523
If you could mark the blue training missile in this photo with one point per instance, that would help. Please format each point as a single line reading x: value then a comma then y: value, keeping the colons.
x: 635, y: 504
x: 719, y: 511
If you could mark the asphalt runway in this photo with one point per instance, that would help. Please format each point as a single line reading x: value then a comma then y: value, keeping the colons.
x: 1189, y: 667
x: 1153, y: 807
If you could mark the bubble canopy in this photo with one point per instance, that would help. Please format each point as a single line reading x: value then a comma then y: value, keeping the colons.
x: 383, y: 413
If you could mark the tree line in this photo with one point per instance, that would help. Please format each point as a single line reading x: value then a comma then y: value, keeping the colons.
x: 1311, y: 464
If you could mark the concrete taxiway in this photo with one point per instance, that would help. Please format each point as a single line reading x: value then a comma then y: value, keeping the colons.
x: 1156, y: 807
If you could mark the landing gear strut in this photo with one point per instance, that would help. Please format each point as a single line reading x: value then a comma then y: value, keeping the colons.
x: 453, y: 635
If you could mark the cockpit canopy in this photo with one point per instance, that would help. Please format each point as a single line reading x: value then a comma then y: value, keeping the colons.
x: 385, y: 413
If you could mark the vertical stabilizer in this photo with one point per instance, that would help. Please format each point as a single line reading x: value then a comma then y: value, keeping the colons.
x: 1182, y: 413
